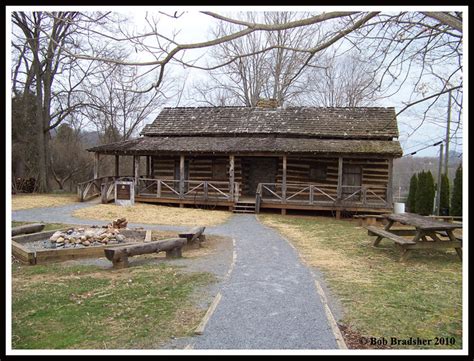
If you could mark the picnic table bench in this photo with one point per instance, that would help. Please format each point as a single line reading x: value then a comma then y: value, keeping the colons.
x: 426, y: 233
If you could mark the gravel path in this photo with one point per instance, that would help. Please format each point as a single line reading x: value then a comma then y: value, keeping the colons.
x: 62, y: 214
x: 269, y: 300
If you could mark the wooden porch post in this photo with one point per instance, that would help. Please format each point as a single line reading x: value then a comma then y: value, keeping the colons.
x: 148, y: 166
x: 117, y: 165
x: 283, y: 185
x: 283, y: 179
x: 96, y: 165
x: 136, y: 167
x: 231, y: 177
x: 181, y: 178
x: 339, y: 185
x: 339, y: 179
x: 390, y: 183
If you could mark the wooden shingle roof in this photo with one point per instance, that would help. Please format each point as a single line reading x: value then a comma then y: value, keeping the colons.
x: 236, y: 145
x: 334, y: 123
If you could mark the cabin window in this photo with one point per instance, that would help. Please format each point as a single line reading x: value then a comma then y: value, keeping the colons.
x: 219, y: 171
x: 317, y: 173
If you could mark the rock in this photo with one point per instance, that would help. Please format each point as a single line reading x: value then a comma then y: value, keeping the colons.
x: 67, y: 241
x: 83, y: 238
x: 120, y: 237
x: 55, y: 236
x: 60, y: 240
x: 86, y: 243
x: 69, y: 231
x: 89, y: 234
x: 80, y: 229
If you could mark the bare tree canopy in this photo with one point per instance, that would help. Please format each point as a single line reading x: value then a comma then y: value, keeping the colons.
x: 94, y: 64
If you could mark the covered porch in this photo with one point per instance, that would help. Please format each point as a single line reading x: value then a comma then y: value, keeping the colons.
x: 285, y: 181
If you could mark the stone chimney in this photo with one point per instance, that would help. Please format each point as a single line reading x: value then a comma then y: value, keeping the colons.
x: 267, y: 103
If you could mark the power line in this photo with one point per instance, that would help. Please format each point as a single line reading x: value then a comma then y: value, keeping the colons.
x: 432, y: 145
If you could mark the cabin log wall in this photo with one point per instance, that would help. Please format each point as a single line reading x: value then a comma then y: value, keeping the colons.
x: 375, y: 173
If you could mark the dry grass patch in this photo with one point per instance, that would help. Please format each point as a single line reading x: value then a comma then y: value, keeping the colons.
x: 154, y: 214
x: 28, y: 201
x: 381, y: 296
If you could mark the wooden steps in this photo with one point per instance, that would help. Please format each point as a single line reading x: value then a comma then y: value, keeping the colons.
x: 244, y: 207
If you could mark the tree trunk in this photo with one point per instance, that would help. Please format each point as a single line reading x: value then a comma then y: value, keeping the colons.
x: 43, y: 185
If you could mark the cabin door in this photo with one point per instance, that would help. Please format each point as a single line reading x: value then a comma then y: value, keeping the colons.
x: 351, y: 182
x: 260, y: 170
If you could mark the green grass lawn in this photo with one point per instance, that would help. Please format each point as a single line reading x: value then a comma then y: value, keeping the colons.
x: 61, y: 306
x: 381, y: 296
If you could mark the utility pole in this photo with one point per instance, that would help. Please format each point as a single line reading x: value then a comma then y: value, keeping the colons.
x: 447, y: 134
x: 440, y: 167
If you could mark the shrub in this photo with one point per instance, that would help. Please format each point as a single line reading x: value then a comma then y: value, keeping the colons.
x: 411, y: 201
x: 456, y: 200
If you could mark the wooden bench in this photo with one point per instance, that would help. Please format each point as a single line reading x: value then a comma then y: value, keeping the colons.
x: 119, y: 255
x: 172, y: 247
x: 381, y: 233
x: 27, y: 229
x: 368, y: 219
x: 194, y: 235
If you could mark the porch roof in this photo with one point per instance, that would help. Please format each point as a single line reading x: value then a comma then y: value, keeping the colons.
x: 236, y: 145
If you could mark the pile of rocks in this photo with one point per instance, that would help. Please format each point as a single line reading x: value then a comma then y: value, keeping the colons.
x: 82, y: 237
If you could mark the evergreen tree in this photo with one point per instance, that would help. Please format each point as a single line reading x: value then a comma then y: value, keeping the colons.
x: 424, y: 198
x: 456, y: 200
x: 411, y: 201
x: 444, y: 196
x: 431, y: 192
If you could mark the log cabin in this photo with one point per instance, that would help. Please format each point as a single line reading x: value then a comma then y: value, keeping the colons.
x: 263, y: 157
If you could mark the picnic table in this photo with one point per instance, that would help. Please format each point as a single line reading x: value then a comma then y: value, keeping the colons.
x: 426, y: 233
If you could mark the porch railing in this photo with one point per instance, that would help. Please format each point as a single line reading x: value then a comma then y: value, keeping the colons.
x: 322, y: 194
x: 191, y: 190
x: 102, y: 186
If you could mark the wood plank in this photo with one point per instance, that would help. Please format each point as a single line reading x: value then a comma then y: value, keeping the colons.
x: 193, y: 234
x: 387, y: 234
x: 22, y: 253
x: 435, y: 245
x: 422, y: 222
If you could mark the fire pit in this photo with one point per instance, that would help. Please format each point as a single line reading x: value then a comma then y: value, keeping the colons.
x: 72, y: 243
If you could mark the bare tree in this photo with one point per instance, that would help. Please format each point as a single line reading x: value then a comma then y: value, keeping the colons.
x: 280, y: 73
x: 68, y: 157
x: 421, y: 49
x: 116, y: 111
x: 43, y: 67
x: 341, y: 81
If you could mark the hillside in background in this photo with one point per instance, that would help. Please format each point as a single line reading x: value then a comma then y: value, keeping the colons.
x: 404, y: 168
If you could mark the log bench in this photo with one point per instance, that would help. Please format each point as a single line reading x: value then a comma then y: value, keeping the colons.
x: 119, y: 255
x: 27, y: 229
x: 194, y: 235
